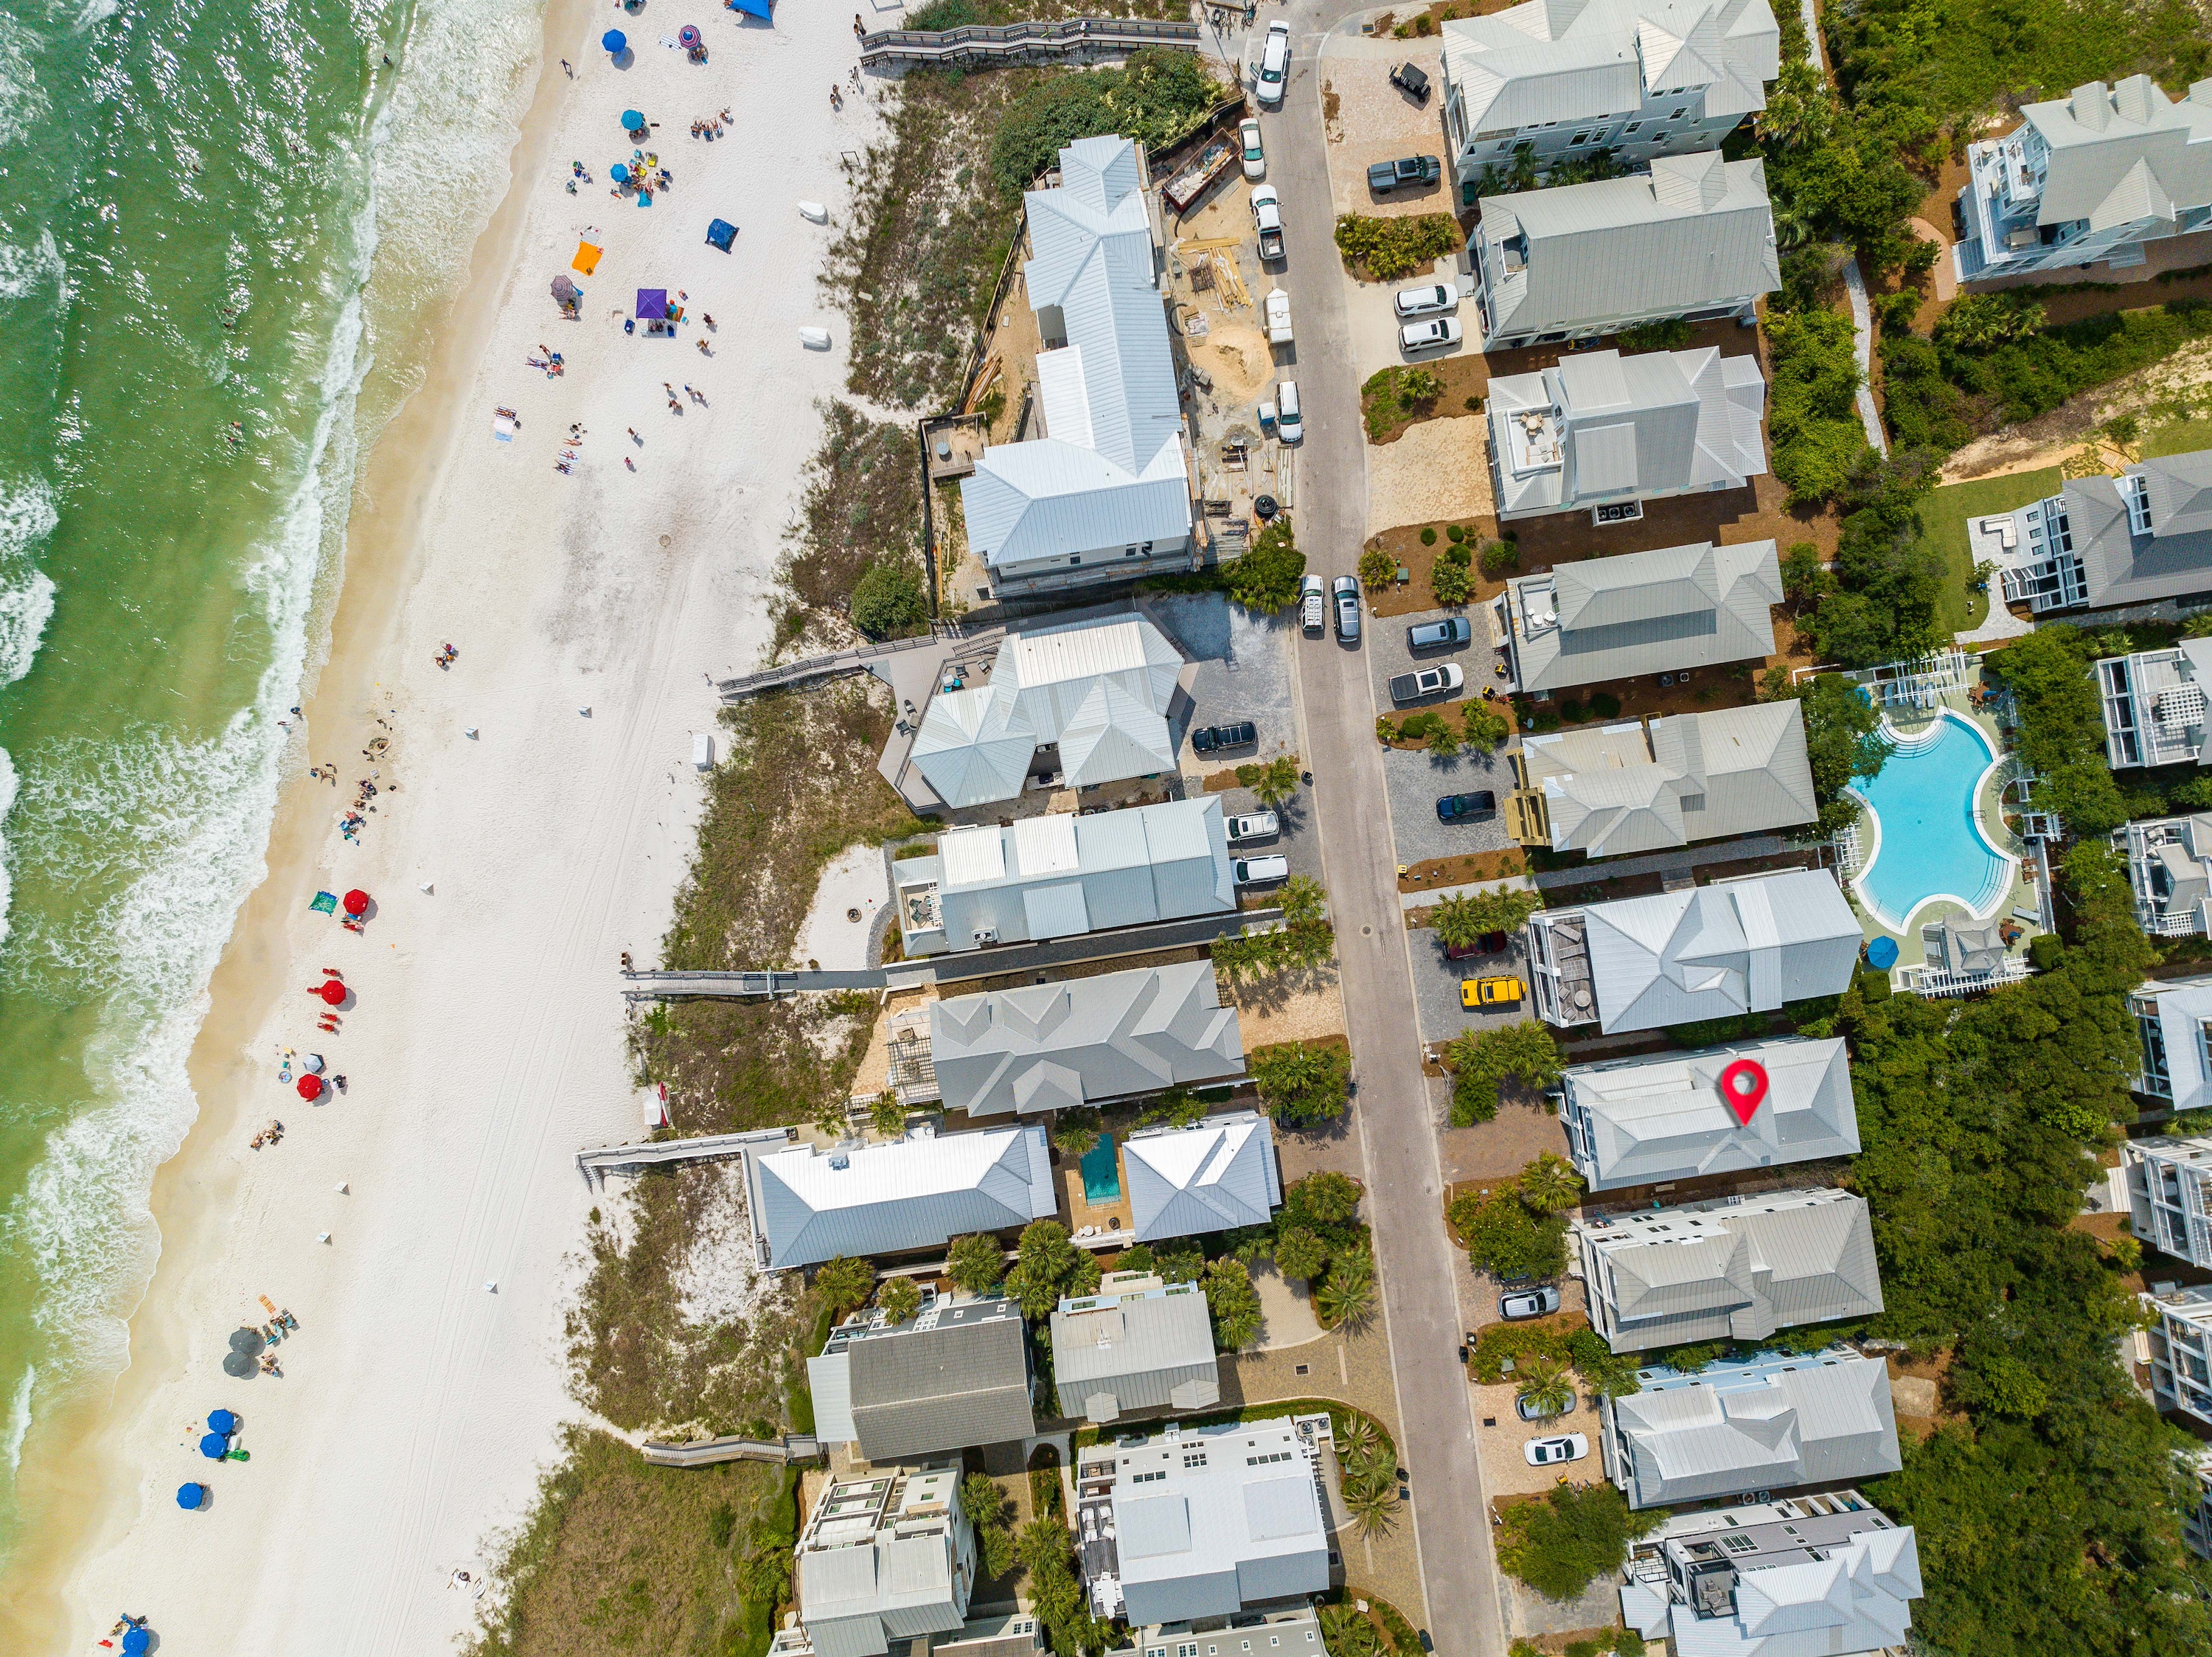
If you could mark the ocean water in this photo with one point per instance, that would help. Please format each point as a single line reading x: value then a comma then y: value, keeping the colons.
x: 226, y: 229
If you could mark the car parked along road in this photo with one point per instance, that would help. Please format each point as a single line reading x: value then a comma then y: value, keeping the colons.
x: 1345, y: 590
x: 1386, y: 176
x: 1274, y: 65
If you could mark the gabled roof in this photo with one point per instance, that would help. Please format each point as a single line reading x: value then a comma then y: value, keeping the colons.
x: 1221, y: 1174
x: 1664, y: 610
x: 1100, y: 1038
x: 957, y: 1376
x: 811, y: 1204
x: 2120, y: 566
x: 1770, y: 1422
x: 1661, y: 1118
x: 1137, y: 1344
x: 1692, y: 776
x: 1101, y: 689
x: 1109, y: 468
x: 2123, y: 153
x: 1738, y: 947
x: 1697, y: 232
x: 1566, y: 60
x: 1734, y: 1271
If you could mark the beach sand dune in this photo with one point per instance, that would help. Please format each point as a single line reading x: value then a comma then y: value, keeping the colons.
x: 484, y: 1044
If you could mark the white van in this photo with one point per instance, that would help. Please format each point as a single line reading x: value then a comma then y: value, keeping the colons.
x: 1288, y: 425
x: 1274, y: 64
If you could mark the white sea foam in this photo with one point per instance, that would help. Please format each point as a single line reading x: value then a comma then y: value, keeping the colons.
x: 23, y: 102
x: 19, y: 1417
x: 24, y: 271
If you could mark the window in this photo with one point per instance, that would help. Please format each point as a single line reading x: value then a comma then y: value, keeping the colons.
x: 1188, y: 1648
x: 1147, y: 1479
x: 1148, y: 549
x: 1631, y: 126
x: 1677, y: 115
x: 1076, y: 558
x: 1579, y: 138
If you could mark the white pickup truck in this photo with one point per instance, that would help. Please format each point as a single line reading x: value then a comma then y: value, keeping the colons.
x: 1267, y: 219
x: 1278, y: 317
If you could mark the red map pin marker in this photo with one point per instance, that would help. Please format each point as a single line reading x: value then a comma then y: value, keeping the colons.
x: 1743, y: 1085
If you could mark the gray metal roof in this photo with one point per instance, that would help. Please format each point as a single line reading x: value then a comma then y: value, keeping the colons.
x: 1097, y: 690
x: 1745, y: 946
x: 1137, y: 1344
x: 956, y: 1375
x: 1734, y: 1269
x: 2123, y: 153
x: 1048, y: 1046
x: 1110, y: 469
x: 1620, y: 788
x: 1695, y: 234
x: 1217, y: 1176
x: 2169, y: 556
x: 885, y: 1557
x: 1795, y: 1577
x: 811, y: 1203
x: 1765, y: 1424
x: 2178, y: 1008
x: 1604, y: 427
x: 1018, y: 1634
x: 1061, y: 875
x: 1665, y: 611
x: 1569, y: 60
x: 1644, y: 1121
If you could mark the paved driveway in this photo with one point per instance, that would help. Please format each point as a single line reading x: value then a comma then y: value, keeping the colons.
x: 1415, y: 779
x: 1243, y: 672
x: 1299, y: 840
x: 1436, y: 982
x: 1393, y: 1118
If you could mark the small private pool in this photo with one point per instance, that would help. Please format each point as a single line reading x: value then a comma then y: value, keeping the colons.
x: 1926, y: 840
x: 1101, y: 1172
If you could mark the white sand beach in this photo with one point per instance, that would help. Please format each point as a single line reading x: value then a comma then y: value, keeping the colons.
x: 483, y: 1045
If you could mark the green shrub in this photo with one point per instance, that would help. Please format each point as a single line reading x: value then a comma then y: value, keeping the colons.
x: 1377, y: 569
x: 1394, y: 396
x: 1670, y: 335
x: 1499, y: 557
x: 2045, y: 951
x: 1301, y: 1083
x: 1604, y: 704
x: 1429, y: 535
x: 1158, y: 96
x: 1480, y: 1060
x: 1383, y: 249
x: 1266, y: 577
x: 1450, y: 581
x: 1812, y: 418
x: 1574, y: 1535
x: 888, y: 601
x: 1455, y: 533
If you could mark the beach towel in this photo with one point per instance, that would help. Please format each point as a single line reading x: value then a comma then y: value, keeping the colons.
x: 326, y: 903
x: 587, y: 258
x: 504, y: 427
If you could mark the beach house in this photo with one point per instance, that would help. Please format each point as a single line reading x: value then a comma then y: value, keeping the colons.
x: 1201, y: 1523
x: 2180, y: 1341
x: 1661, y: 1118
x: 1817, y: 1575
x: 1083, y: 1041
x: 2086, y: 179
x: 885, y: 1557
x: 1603, y: 432
x: 1062, y: 874
x: 1734, y: 1268
x: 1741, y: 946
x: 2169, y: 1187
x: 1138, y: 1344
x: 1554, y: 81
x: 2169, y: 862
x: 2152, y: 703
x: 954, y: 1375
x: 1610, y: 790
x: 813, y: 1202
x: 2100, y: 542
x: 1694, y: 239
x: 1768, y: 1422
x: 1638, y: 613
x: 1216, y: 1175
x: 1102, y: 493
x: 2173, y: 1021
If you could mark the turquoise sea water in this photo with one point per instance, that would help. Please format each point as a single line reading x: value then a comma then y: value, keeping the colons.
x: 1932, y: 845
x: 194, y: 196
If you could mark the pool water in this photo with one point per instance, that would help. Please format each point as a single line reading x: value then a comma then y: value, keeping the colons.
x: 1101, y: 1172
x: 1930, y: 842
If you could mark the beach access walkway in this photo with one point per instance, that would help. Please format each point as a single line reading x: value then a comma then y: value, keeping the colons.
x: 596, y: 1164
x: 1004, y: 960
x: 792, y: 1446
x: 944, y: 639
x: 1022, y: 43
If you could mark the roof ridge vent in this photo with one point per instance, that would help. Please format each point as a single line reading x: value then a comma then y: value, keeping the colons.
x: 2091, y: 104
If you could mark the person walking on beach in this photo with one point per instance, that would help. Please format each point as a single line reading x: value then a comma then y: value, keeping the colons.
x: 566, y: 70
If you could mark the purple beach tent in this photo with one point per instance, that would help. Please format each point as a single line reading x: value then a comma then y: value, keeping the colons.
x: 652, y: 304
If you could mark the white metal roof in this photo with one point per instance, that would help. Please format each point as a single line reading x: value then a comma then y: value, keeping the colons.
x: 811, y: 1203
x: 1220, y: 1175
x: 2122, y: 153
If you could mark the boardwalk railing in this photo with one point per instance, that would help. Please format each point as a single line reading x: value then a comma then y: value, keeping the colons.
x: 735, y: 986
x: 595, y: 1165
x: 1022, y: 42
x: 855, y: 660
x: 792, y: 1447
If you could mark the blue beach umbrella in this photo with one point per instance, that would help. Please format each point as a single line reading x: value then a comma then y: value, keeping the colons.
x: 136, y: 1643
x: 618, y: 172
x: 221, y: 1421
x: 615, y: 41
x: 632, y: 121
x: 189, y: 1496
x: 214, y: 1446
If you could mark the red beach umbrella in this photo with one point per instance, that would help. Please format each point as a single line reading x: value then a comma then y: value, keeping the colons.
x: 357, y: 901
x: 311, y: 1088
x: 333, y: 992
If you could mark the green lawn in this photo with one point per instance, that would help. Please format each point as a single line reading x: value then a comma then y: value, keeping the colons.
x: 1943, y: 519
x: 2184, y: 437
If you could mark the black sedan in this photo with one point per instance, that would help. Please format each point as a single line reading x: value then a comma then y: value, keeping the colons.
x: 1461, y: 807
x: 1242, y: 734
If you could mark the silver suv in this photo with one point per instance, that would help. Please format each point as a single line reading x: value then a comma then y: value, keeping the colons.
x: 1345, y: 593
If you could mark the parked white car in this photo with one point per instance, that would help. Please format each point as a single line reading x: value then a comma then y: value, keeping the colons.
x: 1424, y: 301
x: 1254, y: 825
x: 1274, y: 65
x: 1313, y: 604
x: 1426, y: 335
x: 1288, y: 425
x: 1257, y: 871
x: 1255, y: 160
x: 1548, y: 1451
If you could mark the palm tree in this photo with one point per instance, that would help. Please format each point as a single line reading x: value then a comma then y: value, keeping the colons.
x: 1346, y: 1296
x: 1550, y: 1184
x: 1545, y: 1387
x: 1358, y: 1440
x: 1371, y: 1494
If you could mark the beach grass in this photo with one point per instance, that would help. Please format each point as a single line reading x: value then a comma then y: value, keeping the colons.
x: 2181, y: 437
x: 862, y: 506
x: 1943, y: 519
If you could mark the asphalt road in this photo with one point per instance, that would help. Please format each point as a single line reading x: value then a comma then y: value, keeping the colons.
x: 1397, y: 1129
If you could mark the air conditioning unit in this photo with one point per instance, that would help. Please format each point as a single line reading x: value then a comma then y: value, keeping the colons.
x: 987, y: 935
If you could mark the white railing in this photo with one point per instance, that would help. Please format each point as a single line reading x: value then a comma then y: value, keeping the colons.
x: 1935, y: 985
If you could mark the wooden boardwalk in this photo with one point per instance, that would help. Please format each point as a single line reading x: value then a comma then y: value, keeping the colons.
x: 1019, y: 43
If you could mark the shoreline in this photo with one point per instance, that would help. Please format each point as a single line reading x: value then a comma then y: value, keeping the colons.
x: 85, y: 1476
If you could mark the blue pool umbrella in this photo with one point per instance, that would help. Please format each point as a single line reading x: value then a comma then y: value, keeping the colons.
x: 136, y: 1642
x: 221, y: 1421
x: 214, y: 1446
x: 721, y: 234
x: 190, y: 1496
x: 632, y: 121
x: 615, y: 41
x: 1882, y: 953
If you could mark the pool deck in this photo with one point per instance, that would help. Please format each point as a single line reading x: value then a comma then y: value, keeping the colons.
x: 2021, y: 903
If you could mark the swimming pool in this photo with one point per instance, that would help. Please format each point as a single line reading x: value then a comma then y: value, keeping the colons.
x: 1921, y: 838
x: 1101, y: 1172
